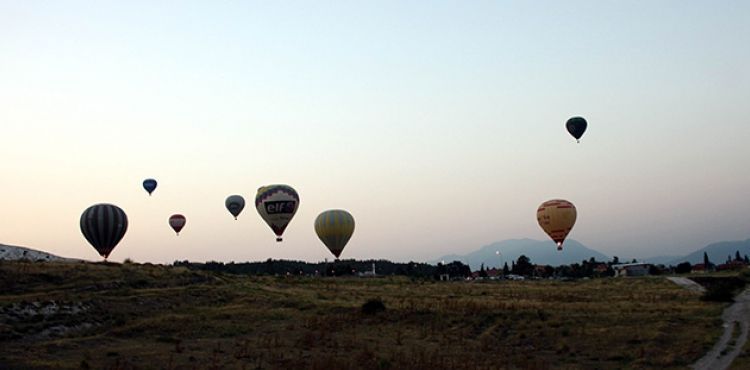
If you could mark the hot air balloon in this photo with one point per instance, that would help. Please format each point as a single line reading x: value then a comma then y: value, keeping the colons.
x: 576, y: 126
x: 556, y: 217
x: 277, y: 204
x: 149, y: 185
x: 334, y: 228
x: 235, y: 204
x: 177, y: 222
x: 104, y: 225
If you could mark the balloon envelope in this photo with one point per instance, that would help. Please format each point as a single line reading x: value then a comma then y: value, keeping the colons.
x: 277, y: 204
x: 149, y: 185
x: 235, y: 204
x: 576, y: 127
x: 556, y: 217
x: 334, y: 228
x: 177, y: 222
x: 104, y: 225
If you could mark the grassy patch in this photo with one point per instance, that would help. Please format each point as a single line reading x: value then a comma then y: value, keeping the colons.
x: 743, y: 359
x: 148, y: 314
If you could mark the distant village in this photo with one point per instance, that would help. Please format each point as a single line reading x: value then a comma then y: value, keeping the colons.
x: 521, y: 269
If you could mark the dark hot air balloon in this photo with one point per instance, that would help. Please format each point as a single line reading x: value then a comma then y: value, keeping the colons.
x: 235, y: 204
x: 576, y: 127
x: 177, y: 222
x: 104, y: 225
x: 149, y: 185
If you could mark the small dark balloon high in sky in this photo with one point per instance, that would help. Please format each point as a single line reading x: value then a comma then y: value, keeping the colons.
x: 576, y: 127
x: 149, y: 185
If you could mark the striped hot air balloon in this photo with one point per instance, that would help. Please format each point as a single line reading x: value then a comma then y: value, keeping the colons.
x: 104, y: 225
x: 277, y: 204
x: 334, y: 228
x: 177, y: 222
x: 556, y: 217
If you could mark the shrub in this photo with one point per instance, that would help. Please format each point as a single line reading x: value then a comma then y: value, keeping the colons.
x: 373, y: 306
x: 723, y: 290
x: 683, y: 268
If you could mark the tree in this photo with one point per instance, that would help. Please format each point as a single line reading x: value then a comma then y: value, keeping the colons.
x: 683, y: 268
x: 523, y: 266
x: 482, y: 272
x: 441, y: 270
x: 615, y: 260
x: 506, y: 270
x: 747, y: 260
x: 548, y: 271
x: 706, y: 262
x: 737, y: 256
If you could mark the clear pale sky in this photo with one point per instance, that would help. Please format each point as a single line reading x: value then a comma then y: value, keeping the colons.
x: 438, y: 124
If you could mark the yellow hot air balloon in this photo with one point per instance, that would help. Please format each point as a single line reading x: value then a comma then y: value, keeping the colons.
x: 334, y: 228
x: 556, y: 217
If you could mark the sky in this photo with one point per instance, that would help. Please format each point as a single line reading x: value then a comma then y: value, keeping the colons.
x: 439, y: 125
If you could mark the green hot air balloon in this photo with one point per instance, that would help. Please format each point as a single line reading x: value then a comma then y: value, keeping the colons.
x: 334, y: 228
x: 235, y: 204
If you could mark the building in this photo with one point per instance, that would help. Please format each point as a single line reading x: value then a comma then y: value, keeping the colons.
x: 600, y: 269
x: 731, y: 265
x: 631, y: 269
x: 370, y: 273
x: 700, y: 268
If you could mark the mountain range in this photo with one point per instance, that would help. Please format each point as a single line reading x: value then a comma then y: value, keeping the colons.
x: 717, y: 252
x: 540, y: 252
x: 546, y: 253
x: 498, y: 253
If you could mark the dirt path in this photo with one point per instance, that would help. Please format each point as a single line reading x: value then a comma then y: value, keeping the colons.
x: 736, y: 317
x: 687, y: 284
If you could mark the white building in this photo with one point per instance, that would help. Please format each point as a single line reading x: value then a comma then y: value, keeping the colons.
x: 369, y: 273
x: 631, y: 269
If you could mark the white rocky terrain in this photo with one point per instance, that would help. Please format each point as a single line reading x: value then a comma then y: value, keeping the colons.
x: 9, y: 252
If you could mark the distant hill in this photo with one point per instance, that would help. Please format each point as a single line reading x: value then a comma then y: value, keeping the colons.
x: 12, y: 253
x: 661, y: 260
x: 717, y: 252
x: 540, y: 252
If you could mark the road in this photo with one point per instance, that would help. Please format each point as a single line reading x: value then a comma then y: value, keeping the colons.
x: 736, y: 316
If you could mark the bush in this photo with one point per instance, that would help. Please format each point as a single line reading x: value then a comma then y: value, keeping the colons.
x: 683, y: 268
x: 373, y: 306
x: 723, y: 290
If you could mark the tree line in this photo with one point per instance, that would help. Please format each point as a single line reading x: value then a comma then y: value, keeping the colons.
x: 523, y: 266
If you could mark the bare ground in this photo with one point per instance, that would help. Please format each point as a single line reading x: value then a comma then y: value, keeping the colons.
x: 687, y: 284
x: 735, y: 317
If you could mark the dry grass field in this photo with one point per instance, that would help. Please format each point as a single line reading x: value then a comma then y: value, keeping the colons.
x: 131, y: 316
